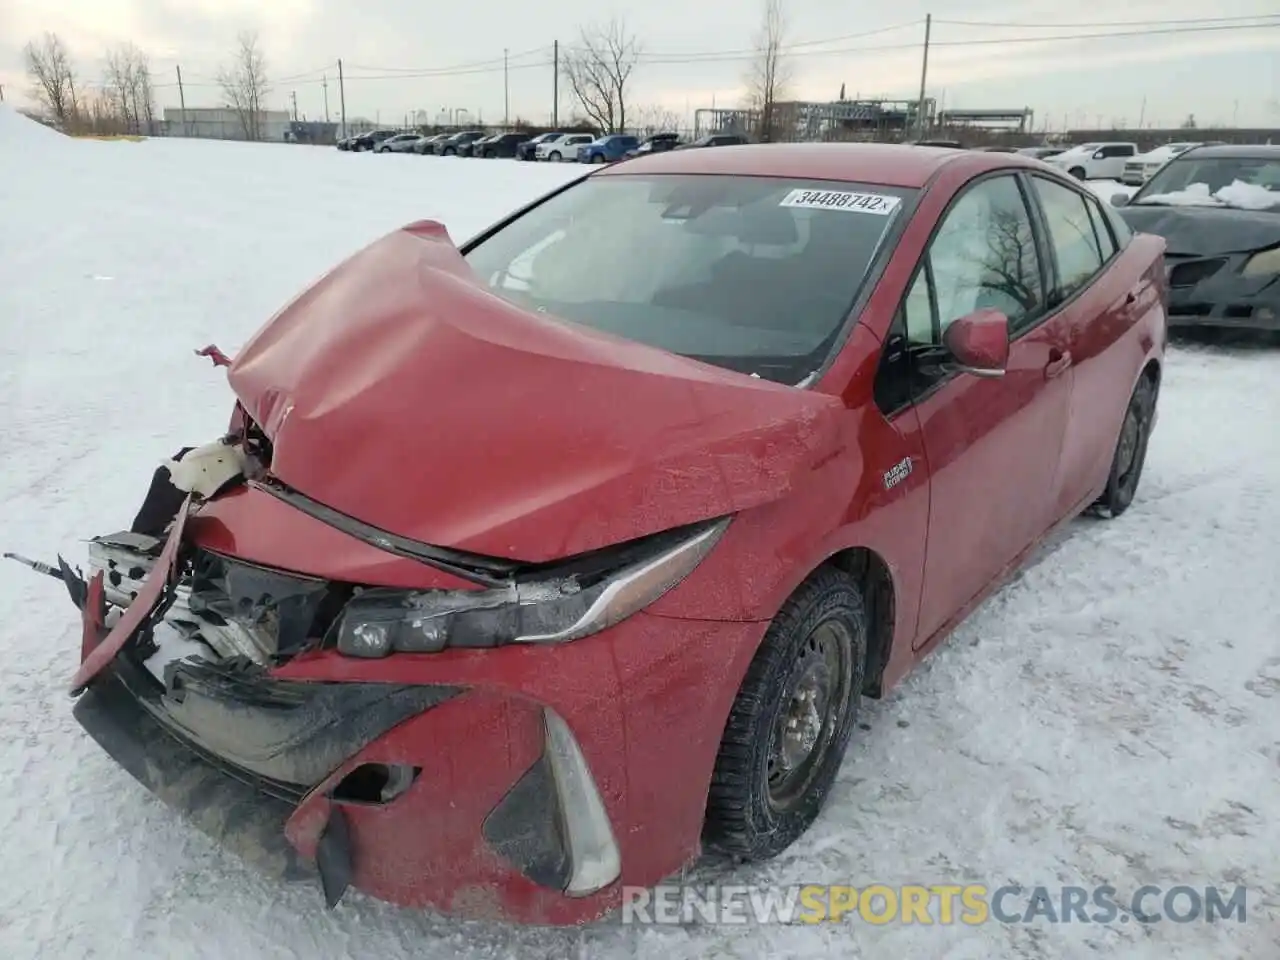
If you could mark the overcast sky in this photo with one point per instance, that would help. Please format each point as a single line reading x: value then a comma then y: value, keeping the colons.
x: 389, y: 49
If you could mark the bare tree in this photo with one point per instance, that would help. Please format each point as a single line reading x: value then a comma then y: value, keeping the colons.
x: 245, y: 85
x: 770, y: 73
x: 649, y: 120
x: 53, y: 82
x: 598, y: 70
x: 128, y: 85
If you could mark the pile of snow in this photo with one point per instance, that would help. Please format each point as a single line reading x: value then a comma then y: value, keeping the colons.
x: 17, y: 130
x: 1238, y: 194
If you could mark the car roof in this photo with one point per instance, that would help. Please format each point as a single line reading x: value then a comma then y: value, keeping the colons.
x: 1236, y: 151
x: 888, y: 164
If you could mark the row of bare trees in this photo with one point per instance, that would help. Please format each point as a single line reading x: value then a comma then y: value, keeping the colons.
x: 124, y: 102
x: 598, y: 71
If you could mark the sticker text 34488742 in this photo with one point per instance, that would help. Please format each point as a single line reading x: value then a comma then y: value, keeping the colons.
x: 876, y: 203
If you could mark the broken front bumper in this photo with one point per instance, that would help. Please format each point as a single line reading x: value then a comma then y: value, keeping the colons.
x: 522, y: 784
x: 1212, y: 292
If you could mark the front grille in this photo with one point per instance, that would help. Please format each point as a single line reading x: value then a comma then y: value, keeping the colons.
x: 1190, y: 273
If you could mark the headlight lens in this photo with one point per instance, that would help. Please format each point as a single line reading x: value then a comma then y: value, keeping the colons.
x: 548, y: 609
x: 1264, y: 264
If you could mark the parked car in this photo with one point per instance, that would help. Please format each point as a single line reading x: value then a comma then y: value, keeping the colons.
x: 468, y: 148
x: 564, y: 148
x: 657, y: 143
x: 862, y: 384
x: 448, y: 147
x: 997, y: 149
x: 427, y: 145
x: 367, y: 141
x: 1041, y: 153
x: 528, y: 149
x: 1218, y: 209
x: 400, y: 143
x: 945, y: 144
x: 715, y: 140
x: 1138, y: 170
x: 608, y: 149
x: 1095, y: 161
x: 503, y: 145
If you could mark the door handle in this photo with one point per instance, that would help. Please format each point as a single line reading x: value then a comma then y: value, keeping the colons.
x: 1059, y: 360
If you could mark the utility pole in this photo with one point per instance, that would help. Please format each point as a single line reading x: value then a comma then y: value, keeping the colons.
x: 294, y: 95
x: 924, y: 73
x: 182, y: 102
x: 342, y: 99
x: 325, y: 83
x: 555, y: 84
x: 506, y: 91
x: 1142, y: 113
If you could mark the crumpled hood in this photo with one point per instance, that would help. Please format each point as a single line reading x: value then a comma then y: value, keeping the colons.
x: 1205, y: 231
x: 400, y: 391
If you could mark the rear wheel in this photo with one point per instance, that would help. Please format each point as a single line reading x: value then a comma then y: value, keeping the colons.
x: 1131, y: 451
x: 791, y: 721
x: 554, y: 157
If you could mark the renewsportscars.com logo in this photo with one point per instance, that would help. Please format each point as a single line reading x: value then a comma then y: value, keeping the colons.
x: 942, y: 904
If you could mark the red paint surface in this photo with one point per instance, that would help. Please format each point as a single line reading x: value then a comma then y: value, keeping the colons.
x: 399, y: 391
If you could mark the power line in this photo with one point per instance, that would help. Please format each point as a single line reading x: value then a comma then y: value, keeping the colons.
x: 545, y: 50
x: 1106, y: 23
x: 729, y: 56
x: 786, y: 47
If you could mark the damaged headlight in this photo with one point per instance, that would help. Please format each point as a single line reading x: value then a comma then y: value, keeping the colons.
x: 1263, y: 264
x: 560, y: 605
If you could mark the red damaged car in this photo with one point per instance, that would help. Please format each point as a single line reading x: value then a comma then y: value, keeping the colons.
x: 534, y: 568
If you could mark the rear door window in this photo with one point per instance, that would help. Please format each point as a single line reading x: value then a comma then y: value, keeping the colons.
x: 1071, y: 235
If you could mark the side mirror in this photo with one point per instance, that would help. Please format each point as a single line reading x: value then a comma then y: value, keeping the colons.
x: 979, y: 343
x: 1119, y: 199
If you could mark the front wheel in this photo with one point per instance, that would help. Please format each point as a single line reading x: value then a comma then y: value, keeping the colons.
x: 598, y: 158
x: 791, y: 721
x: 1077, y: 172
x: 1131, y: 451
x: 555, y: 156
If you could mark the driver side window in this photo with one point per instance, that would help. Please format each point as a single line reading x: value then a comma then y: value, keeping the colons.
x: 982, y: 256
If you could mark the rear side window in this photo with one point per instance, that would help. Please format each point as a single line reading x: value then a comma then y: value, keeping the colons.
x: 1071, y: 235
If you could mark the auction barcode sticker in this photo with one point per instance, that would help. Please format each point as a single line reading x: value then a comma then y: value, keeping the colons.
x: 876, y: 203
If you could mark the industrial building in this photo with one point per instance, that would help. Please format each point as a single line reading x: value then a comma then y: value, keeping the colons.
x: 224, y: 123
x: 856, y: 119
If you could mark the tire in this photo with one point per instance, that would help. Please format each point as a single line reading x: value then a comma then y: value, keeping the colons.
x: 488, y: 154
x: 764, y: 793
x: 598, y: 158
x: 1131, y: 451
x: 554, y: 156
x: 1077, y: 172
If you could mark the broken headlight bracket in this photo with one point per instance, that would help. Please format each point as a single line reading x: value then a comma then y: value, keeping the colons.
x: 544, y: 608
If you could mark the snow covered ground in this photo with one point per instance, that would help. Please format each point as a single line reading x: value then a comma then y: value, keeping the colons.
x: 1112, y: 716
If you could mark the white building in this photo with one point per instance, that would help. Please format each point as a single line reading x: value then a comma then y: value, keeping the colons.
x: 223, y: 123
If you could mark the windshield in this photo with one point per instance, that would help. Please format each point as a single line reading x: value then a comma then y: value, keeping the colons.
x: 755, y: 274
x: 1242, y: 182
